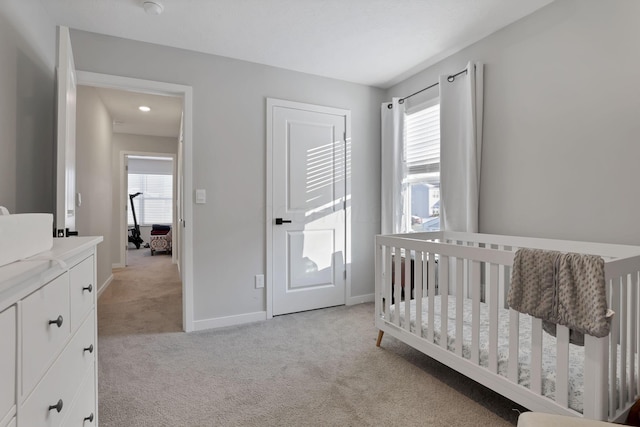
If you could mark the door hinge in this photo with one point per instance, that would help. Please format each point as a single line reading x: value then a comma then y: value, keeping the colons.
x: 345, y: 274
x: 344, y: 135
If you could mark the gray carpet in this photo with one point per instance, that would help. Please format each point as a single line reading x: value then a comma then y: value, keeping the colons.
x: 317, y: 368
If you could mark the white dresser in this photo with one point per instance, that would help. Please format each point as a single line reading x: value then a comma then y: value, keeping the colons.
x: 48, y: 337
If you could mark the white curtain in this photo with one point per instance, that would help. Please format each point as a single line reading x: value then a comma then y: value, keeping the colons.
x: 461, y: 149
x: 393, y: 166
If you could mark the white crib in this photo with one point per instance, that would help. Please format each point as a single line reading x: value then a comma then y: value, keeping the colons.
x: 467, y: 276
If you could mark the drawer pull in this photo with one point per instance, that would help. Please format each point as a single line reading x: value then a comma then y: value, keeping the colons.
x: 57, y: 322
x: 88, y: 288
x: 89, y: 349
x: 89, y: 418
x: 57, y: 406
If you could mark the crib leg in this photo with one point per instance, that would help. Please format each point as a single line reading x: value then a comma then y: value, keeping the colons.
x: 380, y: 334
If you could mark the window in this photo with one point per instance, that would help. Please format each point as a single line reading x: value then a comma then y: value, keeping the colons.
x: 422, y: 159
x: 153, y: 178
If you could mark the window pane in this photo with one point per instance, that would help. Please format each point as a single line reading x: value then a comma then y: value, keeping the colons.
x: 155, y: 204
x: 425, y: 206
x: 422, y: 156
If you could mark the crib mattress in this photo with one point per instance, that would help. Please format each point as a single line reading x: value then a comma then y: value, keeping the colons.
x: 576, y: 353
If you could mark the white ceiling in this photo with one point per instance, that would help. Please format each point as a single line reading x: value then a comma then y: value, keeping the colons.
x: 162, y: 120
x: 372, y: 42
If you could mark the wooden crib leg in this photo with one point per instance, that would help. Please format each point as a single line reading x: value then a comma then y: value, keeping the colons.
x: 380, y: 334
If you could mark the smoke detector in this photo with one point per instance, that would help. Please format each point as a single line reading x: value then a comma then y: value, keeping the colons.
x: 152, y: 7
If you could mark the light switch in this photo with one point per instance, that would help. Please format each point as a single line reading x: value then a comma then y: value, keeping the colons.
x: 201, y: 196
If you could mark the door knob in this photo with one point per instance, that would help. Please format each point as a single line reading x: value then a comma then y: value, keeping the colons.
x: 280, y: 221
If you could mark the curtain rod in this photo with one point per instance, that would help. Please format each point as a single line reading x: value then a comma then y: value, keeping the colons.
x: 450, y: 79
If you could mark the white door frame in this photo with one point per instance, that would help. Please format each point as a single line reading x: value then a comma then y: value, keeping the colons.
x: 66, y: 87
x: 124, y: 195
x: 271, y: 103
x: 186, y: 93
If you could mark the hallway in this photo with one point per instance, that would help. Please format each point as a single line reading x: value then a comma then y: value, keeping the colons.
x: 143, y: 298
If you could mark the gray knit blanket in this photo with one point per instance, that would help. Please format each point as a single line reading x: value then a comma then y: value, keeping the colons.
x: 561, y: 288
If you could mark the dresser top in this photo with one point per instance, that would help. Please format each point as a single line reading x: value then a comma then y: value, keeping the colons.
x: 22, y: 277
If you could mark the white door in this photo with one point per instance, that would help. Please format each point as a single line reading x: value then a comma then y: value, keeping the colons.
x: 66, y: 135
x: 308, y: 208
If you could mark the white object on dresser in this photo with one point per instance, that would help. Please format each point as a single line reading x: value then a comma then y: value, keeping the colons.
x: 24, y: 235
x: 48, y: 337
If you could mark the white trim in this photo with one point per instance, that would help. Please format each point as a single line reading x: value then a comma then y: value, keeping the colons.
x: 186, y: 93
x: 104, y: 286
x: 117, y: 265
x: 221, y: 322
x: 360, y: 299
x: 269, y: 212
x: 271, y: 103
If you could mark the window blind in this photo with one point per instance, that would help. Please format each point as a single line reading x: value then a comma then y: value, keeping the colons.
x: 155, y: 204
x: 422, y: 141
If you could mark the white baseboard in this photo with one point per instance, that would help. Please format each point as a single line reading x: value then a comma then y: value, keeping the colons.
x: 221, y: 322
x: 103, y: 287
x: 360, y: 299
x: 118, y: 265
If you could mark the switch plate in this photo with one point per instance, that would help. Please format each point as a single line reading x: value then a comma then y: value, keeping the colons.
x: 201, y: 196
x: 259, y: 281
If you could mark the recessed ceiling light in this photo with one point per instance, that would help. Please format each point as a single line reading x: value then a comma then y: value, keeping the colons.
x: 144, y: 108
x: 152, y: 7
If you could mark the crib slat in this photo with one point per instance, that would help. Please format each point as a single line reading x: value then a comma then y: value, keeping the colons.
x: 502, y: 285
x: 443, y: 283
x: 562, y: 365
x: 387, y: 282
x: 465, y: 277
x: 493, y: 317
x: 474, y: 279
x: 633, y: 332
x: 613, y: 344
x: 397, y: 280
x: 417, y: 267
x: 595, y: 379
x: 406, y: 287
x: 536, y: 355
x: 431, y: 280
x: 459, y: 266
x: 514, y: 345
x: 624, y: 285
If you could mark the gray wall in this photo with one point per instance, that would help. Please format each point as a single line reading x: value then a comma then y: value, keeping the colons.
x: 27, y: 103
x: 229, y: 159
x: 562, y: 108
x: 93, y: 175
x: 142, y: 144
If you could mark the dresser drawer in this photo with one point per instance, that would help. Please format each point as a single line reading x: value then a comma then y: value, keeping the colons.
x: 7, y: 362
x: 82, y: 291
x: 83, y: 412
x: 45, y: 329
x: 61, y: 383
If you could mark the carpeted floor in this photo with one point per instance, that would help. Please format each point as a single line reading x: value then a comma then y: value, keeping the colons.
x: 317, y: 368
